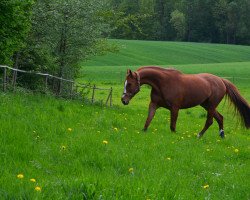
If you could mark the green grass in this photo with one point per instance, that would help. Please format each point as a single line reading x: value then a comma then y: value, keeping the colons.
x: 35, y: 141
x: 170, y: 53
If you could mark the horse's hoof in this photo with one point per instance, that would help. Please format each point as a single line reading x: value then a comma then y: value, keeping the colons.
x: 222, y: 134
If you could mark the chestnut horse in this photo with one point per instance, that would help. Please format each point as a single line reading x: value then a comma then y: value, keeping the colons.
x: 174, y: 90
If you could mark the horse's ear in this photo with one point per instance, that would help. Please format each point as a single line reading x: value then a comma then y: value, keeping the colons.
x: 129, y: 72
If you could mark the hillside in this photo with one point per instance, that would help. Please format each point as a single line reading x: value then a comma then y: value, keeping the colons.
x: 170, y: 53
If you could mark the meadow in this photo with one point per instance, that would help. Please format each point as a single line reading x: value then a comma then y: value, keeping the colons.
x: 51, y: 148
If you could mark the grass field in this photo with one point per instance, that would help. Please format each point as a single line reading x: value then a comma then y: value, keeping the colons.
x: 79, y: 151
x: 137, y: 53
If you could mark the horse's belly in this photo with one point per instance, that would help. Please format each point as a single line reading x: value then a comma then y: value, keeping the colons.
x: 192, y: 100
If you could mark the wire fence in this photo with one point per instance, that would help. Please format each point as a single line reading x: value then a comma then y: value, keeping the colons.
x: 13, y: 79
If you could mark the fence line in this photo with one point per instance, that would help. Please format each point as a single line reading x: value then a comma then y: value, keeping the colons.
x: 74, y: 86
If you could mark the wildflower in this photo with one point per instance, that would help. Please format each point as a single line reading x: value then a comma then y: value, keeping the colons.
x: 63, y: 147
x: 116, y: 129
x: 33, y: 180
x: 131, y: 170
x: 236, y: 150
x: 69, y: 129
x: 206, y: 186
x: 20, y: 176
x: 168, y: 158
x: 105, y: 142
x: 38, y: 189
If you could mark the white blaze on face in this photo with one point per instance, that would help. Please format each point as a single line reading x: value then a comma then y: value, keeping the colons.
x: 124, y: 91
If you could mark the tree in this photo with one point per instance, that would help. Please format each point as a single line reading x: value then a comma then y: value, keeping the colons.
x: 178, y: 21
x: 15, y: 21
x: 70, y: 29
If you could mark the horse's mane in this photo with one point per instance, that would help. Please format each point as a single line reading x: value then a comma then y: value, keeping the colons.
x: 160, y: 69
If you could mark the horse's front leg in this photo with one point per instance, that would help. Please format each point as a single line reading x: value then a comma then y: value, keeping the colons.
x: 151, y: 112
x: 174, y: 115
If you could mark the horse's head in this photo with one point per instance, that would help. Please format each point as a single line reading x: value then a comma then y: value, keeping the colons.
x: 131, y: 86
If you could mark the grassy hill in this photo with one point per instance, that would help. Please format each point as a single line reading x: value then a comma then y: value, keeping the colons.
x: 81, y: 151
x: 170, y: 53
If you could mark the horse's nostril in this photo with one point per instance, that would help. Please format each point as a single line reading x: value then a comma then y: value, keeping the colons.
x: 124, y: 102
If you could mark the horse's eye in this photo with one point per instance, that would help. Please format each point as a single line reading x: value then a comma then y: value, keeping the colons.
x: 129, y: 85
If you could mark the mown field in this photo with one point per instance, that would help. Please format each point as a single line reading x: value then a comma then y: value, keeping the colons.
x: 78, y: 151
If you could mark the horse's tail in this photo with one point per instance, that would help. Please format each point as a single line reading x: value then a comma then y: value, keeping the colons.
x: 239, y: 102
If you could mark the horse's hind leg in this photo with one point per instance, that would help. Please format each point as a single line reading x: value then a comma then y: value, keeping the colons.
x: 209, y: 121
x: 219, y: 118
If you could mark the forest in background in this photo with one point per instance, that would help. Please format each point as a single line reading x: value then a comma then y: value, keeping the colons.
x: 54, y: 36
x: 211, y: 21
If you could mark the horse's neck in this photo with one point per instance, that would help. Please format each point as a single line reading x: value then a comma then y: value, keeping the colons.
x: 149, y: 77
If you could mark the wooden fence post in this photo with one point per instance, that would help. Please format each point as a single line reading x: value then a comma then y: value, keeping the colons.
x: 46, y: 83
x: 14, y: 79
x: 71, y: 90
x: 111, y: 91
x: 60, y: 87
x: 109, y: 99
x: 93, y: 94
x: 4, y: 78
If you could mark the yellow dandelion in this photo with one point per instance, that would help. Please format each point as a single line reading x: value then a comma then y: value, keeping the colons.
x: 131, y: 170
x: 38, y: 189
x: 206, y: 186
x: 105, y: 142
x: 33, y: 180
x: 236, y: 150
x: 69, y: 129
x: 20, y: 176
x: 116, y: 129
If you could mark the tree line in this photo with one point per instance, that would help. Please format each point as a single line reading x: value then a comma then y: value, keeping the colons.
x: 215, y: 21
x: 55, y: 36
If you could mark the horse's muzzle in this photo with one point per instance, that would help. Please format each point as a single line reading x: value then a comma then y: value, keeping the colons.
x: 125, y: 102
